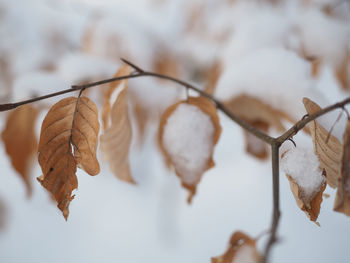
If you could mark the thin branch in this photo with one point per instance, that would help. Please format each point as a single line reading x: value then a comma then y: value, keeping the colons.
x: 305, y: 120
x: 141, y: 73
x: 275, y: 197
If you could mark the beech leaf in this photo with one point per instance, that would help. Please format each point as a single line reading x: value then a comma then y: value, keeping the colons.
x: 329, y: 153
x: 70, y: 122
x: 106, y: 109
x: 242, y: 248
x: 306, y: 180
x: 20, y: 140
x: 188, y: 132
x: 261, y: 116
x: 342, y: 199
x: 116, y: 139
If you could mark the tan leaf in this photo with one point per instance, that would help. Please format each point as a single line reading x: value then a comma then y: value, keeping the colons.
x: 259, y: 115
x: 311, y: 206
x: 342, y: 71
x: 329, y: 154
x: 20, y: 140
x: 255, y: 146
x: 241, y: 247
x: 342, y: 199
x: 106, y: 109
x: 306, y: 180
x: 116, y: 139
x: 189, y: 164
x: 70, y: 122
x: 212, y: 77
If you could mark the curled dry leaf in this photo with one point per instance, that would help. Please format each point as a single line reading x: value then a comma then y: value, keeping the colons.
x: 261, y: 116
x: 342, y: 199
x: 330, y: 153
x: 70, y: 122
x: 242, y: 249
x: 116, y: 139
x: 20, y: 140
x: 188, y: 132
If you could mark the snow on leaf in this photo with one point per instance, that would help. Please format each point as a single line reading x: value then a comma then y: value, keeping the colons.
x: 342, y: 199
x: 20, y: 140
x: 70, y: 122
x: 242, y: 249
x: 305, y: 178
x: 329, y: 153
x: 116, y: 139
x: 188, y: 132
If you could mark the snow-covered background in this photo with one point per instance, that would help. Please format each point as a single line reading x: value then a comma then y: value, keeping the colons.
x: 264, y: 49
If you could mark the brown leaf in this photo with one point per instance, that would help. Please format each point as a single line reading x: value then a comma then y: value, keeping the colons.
x: 342, y: 71
x: 70, y: 122
x: 106, y: 110
x: 342, y: 199
x: 241, y: 246
x: 259, y: 115
x: 116, y: 139
x: 329, y: 154
x: 311, y: 206
x: 190, y: 176
x: 255, y: 146
x: 20, y: 140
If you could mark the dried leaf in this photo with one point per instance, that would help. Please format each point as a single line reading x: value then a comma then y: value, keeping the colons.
x: 241, y: 247
x: 259, y: 115
x: 20, y: 140
x: 311, y: 206
x: 70, y: 122
x: 342, y: 199
x: 255, y: 146
x: 342, y: 71
x: 116, y: 139
x: 106, y: 110
x: 187, y: 165
x: 329, y: 154
x: 212, y: 77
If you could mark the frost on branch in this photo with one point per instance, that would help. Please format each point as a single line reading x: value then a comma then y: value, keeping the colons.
x: 188, y: 132
x: 306, y: 179
x: 242, y: 249
x: 70, y: 122
x: 342, y: 200
x: 116, y: 139
x: 329, y: 153
x: 20, y: 140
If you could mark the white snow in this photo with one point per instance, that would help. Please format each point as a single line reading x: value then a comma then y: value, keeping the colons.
x: 277, y: 76
x: 302, y: 165
x: 245, y: 254
x: 188, y: 139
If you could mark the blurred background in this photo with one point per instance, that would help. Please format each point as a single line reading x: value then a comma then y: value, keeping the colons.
x: 259, y: 57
